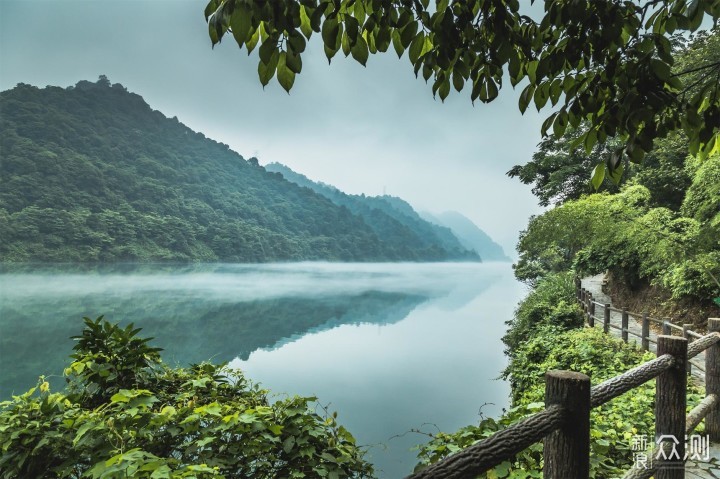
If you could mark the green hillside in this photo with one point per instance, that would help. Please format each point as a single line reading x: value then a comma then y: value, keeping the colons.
x: 391, y: 218
x: 92, y: 173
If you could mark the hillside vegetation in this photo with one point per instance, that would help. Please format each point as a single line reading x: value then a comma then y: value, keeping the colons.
x: 92, y: 173
x: 390, y: 217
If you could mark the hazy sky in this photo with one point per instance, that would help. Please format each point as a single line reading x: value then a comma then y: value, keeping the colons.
x: 364, y: 130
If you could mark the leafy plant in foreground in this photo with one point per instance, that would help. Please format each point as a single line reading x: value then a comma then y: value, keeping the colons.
x: 127, y: 414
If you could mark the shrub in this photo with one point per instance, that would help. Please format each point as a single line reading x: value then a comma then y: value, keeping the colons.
x: 551, y: 303
x: 127, y: 414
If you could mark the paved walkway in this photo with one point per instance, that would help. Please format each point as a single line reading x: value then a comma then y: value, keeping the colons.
x: 693, y: 470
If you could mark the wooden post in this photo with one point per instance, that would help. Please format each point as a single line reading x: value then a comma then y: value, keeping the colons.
x: 578, y: 285
x: 666, y: 330
x: 686, y: 328
x: 670, y: 404
x: 606, y: 319
x: 567, y: 450
x: 624, y: 325
x: 712, y: 381
x: 591, y: 314
x: 645, y: 332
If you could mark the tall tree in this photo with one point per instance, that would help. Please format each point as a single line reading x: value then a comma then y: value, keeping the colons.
x: 607, y: 62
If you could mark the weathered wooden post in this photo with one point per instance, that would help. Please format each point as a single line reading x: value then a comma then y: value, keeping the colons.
x: 624, y: 325
x: 670, y: 404
x: 712, y: 381
x: 686, y: 335
x: 567, y: 450
x: 578, y: 285
x: 606, y: 318
x: 645, y: 332
x: 591, y: 314
x: 666, y: 330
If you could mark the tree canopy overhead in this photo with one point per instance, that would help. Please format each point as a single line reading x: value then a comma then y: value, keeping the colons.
x: 607, y: 62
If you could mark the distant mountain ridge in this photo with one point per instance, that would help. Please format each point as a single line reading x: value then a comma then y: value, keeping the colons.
x: 386, y: 214
x: 469, y: 234
x: 91, y: 173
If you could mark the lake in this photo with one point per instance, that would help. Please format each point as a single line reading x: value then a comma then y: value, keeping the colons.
x: 391, y: 347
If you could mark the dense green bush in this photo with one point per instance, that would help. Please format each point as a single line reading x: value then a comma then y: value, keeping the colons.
x: 551, y: 303
x: 127, y: 414
x: 622, y: 233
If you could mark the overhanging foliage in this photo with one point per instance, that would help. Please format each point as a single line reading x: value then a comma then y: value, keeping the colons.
x: 606, y: 62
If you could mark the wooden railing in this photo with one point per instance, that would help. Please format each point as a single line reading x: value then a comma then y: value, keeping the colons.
x: 590, y: 305
x: 564, y: 424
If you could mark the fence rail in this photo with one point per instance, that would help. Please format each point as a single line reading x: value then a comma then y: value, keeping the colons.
x: 564, y: 424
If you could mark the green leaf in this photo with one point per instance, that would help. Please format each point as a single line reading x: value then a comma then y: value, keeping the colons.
x: 121, y: 396
x: 590, y: 139
x: 285, y: 75
x: 416, y: 47
x: 296, y: 43
x: 598, y: 175
x: 359, y: 11
x: 81, y: 432
x: 560, y: 123
x: 288, y: 444
x: 267, y: 71
x: 444, y: 89
x: 345, y: 44
x: 541, y: 97
x: 525, y: 97
x: 617, y: 173
x: 329, y: 52
x: 316, y: 17
x: 660, y: 69
x: 241, y: 24
x: 252, y: 41
x: 330, y: 32
x: 305, y: 27
x: 408, y: 34
x: 266, y: 51
x: 458, y: 81
x: 360, y: 51
x: 397, y: 44
x: 293, y: 62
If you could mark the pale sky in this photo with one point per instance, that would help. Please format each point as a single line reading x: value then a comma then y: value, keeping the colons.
x: 363, y: 130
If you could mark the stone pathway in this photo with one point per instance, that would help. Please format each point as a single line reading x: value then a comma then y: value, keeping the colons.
x: 693, y: 469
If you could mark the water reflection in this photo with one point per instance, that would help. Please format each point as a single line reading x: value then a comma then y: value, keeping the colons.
x: 390, y: 346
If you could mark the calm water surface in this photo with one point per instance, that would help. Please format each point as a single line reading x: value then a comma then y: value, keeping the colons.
x: 391, y: 347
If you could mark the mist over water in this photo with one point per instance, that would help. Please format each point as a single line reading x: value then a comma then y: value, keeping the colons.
x: 391, y: 347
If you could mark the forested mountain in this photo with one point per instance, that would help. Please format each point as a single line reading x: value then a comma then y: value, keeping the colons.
x: 469, y: 234
x: 92, y: 173
x: 391, y: 218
